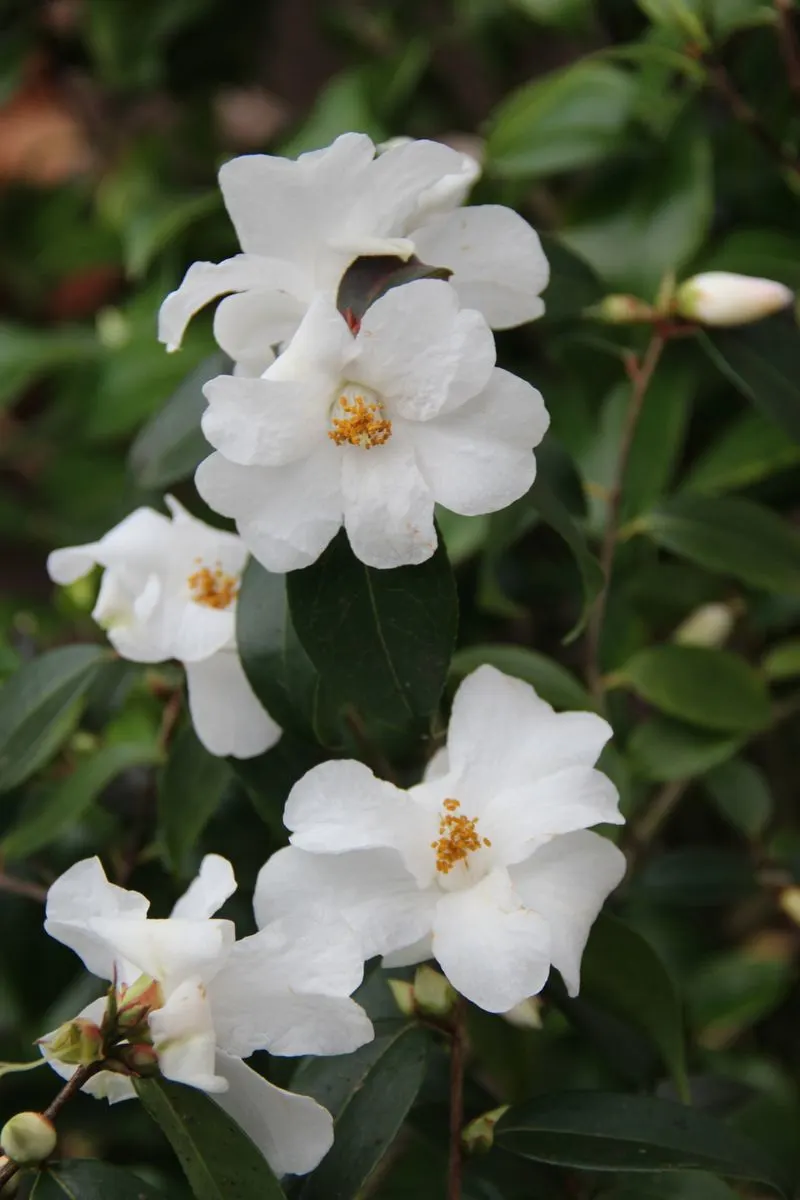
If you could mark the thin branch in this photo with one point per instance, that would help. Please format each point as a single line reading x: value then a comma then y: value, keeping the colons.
x: 789, y: 43
x: 457, y: 1049
x: 652, y: 819
x: 641, y: 373
x: 747, y: 116
x: 22, y: 887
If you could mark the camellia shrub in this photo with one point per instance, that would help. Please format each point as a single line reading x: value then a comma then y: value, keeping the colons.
x: 399, y: 711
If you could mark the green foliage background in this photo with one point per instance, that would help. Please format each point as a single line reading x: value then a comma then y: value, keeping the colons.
x: 641, y: 139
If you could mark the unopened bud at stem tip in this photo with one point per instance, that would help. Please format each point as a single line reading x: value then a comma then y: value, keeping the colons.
x: 27, y: 1138
x: 722, y: 298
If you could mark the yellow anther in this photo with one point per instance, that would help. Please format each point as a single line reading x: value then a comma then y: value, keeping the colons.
x: 362, y: 426
x: 214, y: 588
x: 458, y: 838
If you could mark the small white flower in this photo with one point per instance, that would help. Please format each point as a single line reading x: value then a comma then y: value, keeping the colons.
x: 301, y: 223
x: 368, y: 431
x: 723, y: 298
x: 487, y: 865
x: 285, y: 989
x: 169, y: 591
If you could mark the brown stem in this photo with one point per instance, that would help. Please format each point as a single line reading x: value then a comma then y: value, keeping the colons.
x: 641, y: 373
x: 81, y: 1076
x: 645, y: 829
x: 22, y: 887
x: 747, y: 116
x: 789, y: 43
x: 457, y: 1049
x: 374, y: 757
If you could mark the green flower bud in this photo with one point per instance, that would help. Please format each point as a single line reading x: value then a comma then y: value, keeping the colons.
x: 621, y: 310
x: 404, y: 996
x: 478, y: 1136
x: 433, y: 994
x: 77, y: 1043
x: 138, y: 1058
x: 28, y: 1138
x: 135, y: 1003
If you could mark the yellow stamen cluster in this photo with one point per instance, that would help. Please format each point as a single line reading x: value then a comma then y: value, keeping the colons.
x: 458, y: 838
x: 213, y: 588
x: 362, y: 426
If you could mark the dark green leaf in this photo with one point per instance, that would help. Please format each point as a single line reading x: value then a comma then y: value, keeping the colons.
x: 382, y: 640
x: 761, y: 361
x: 605, y: 1132
x: 622, y: 973
x: 694, y: 877
x: 735, y: 990
x: 39, y: 707
x: 25, y: 355
x: 172, y: 444
x: 750, y: 449
x: 66, y: 803
x: 370, y: 277
x: 370, y: 1102
x: 783, y: 660
x: 676, y: 1185
x: 553, y: 682
x: 768, y: 253
x: 555, y: 514
x: 573, y: 284
x: 711, y: 688
x: 741, y: 793
x: 89, y: 1179
x: 192, y: 785
x: 218, y: 1158
x: 663, y: 750
x: 729, y: 535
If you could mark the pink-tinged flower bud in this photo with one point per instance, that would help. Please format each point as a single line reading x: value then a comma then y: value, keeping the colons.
x: 478, y: 1136
x: 28, y: 1138
x: 77, y: 1043
x: 135, y: 1003
x: 722, y: 298
x: 138, y: 1058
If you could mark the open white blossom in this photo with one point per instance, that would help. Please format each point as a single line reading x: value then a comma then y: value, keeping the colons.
x: 169, y: 590
x: 487, y: 865
x: 302, y: 223
x: 210, y: 1001
x: 368, y: 429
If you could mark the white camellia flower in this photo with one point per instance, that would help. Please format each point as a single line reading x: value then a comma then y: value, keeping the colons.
x: 211, y: 1001
x: 302, y: 223
x: 487, y: 865
x: 169, y: 591
x: 367, y: 429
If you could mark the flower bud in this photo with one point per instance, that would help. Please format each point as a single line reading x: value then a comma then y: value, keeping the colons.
x: 789, y: 901
x: 710, y: 625
x: 28, y: 1138
x: 478, y: 1136
x: 525, y: 1015
x: 404, y: 996
x: 136, y: 1002
x: 621, y: 310
x: 434, y: 996
x: 138, y: 1058
x: 77, y: 1043
x: 722, y: 298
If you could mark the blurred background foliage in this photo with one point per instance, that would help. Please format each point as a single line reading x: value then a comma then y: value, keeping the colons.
x: 641, y: 138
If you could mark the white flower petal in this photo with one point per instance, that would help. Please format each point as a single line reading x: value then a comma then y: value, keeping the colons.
x: 285, y: 515
x: 491, y: 713
x: 72, y: 902
x: 418, y: 952
x: 228, y: 717
x: 320, y: 349
x: 195, y: 632
x: 437, y: 766
x: 493, y: 950
x: 214, y: 883
x: 71, y: 563
x: 370, y: 889
x: 497, y: 261
x: 419, y: 350
x: 293, y: 1132
x: 248, y: 324
x: 264, y: 422
x: 340, y: 805
x: 404, y: 178
x: 170, y: 951
x: 479, y: 458
x: 184, y: 1038
x: 388, y: 507
x: 567, y: 882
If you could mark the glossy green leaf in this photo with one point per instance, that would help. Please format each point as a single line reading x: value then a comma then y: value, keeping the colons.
x: 663, y: 750
x: 606, y: 1132
x: 39, y: 707
x: 90, y: 1179
x: 463, y: 537
x: 218, y: 1158
x: 750, y: 449
x: 68, y: 801
x: 370, y: 1099
x: 555, y: 514
x: 696, y: 877
x: 26, y: 354
x: 677, y: 15
x: 674, y: 1185
x: 761, y: 361
x: 710, y: 688
x: 554, y: 683
x: 639, y: 989
x: 573, y: 285
x: 382, y: 640
x: 728, y: 535
x: 566, y: 120
x: 741, y: 793
x: 733, y: 991
x: 768, y: 253
x: 782, y: 661
x: 171, y: 445
x: 192, y: 785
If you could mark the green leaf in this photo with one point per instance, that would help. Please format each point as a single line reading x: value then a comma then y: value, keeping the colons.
x: 728, y: 535
x: 761, y: 361
x: 25, y: 355
x: 192, y: 785
x: 555, y: 514
x: 382, y: 640
x: 159, y: 222
x: 90, y: 1179
x: 370, y: 1093
x: 463, y: 537
x: 67, y: 803
x: 275, y: 663
x: 675, y: 15
x: 695, y: 877
x: 676, y: 1185
x: 662, y: 750
x: 342, y: 105
x: 606, y: 1132
x: 573, y: 285
x: 39, y: 707
x: 622, y: 973
x: 768, y: 253
x: 554, y: 683
x: 710, y: 688
x: 566, y: 120
x: 219, y: 1159
x: 782, y: 661
x: 741, y: 793
x: 734, y: 991
x: 171, y: 445
x: 750, y: 449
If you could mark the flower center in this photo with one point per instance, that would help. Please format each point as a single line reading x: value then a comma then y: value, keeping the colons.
x: 458, y: 838
x: 212, y: 586
x: 358, y: 420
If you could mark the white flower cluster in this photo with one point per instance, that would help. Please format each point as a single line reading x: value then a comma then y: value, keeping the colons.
x: 331, y: 418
